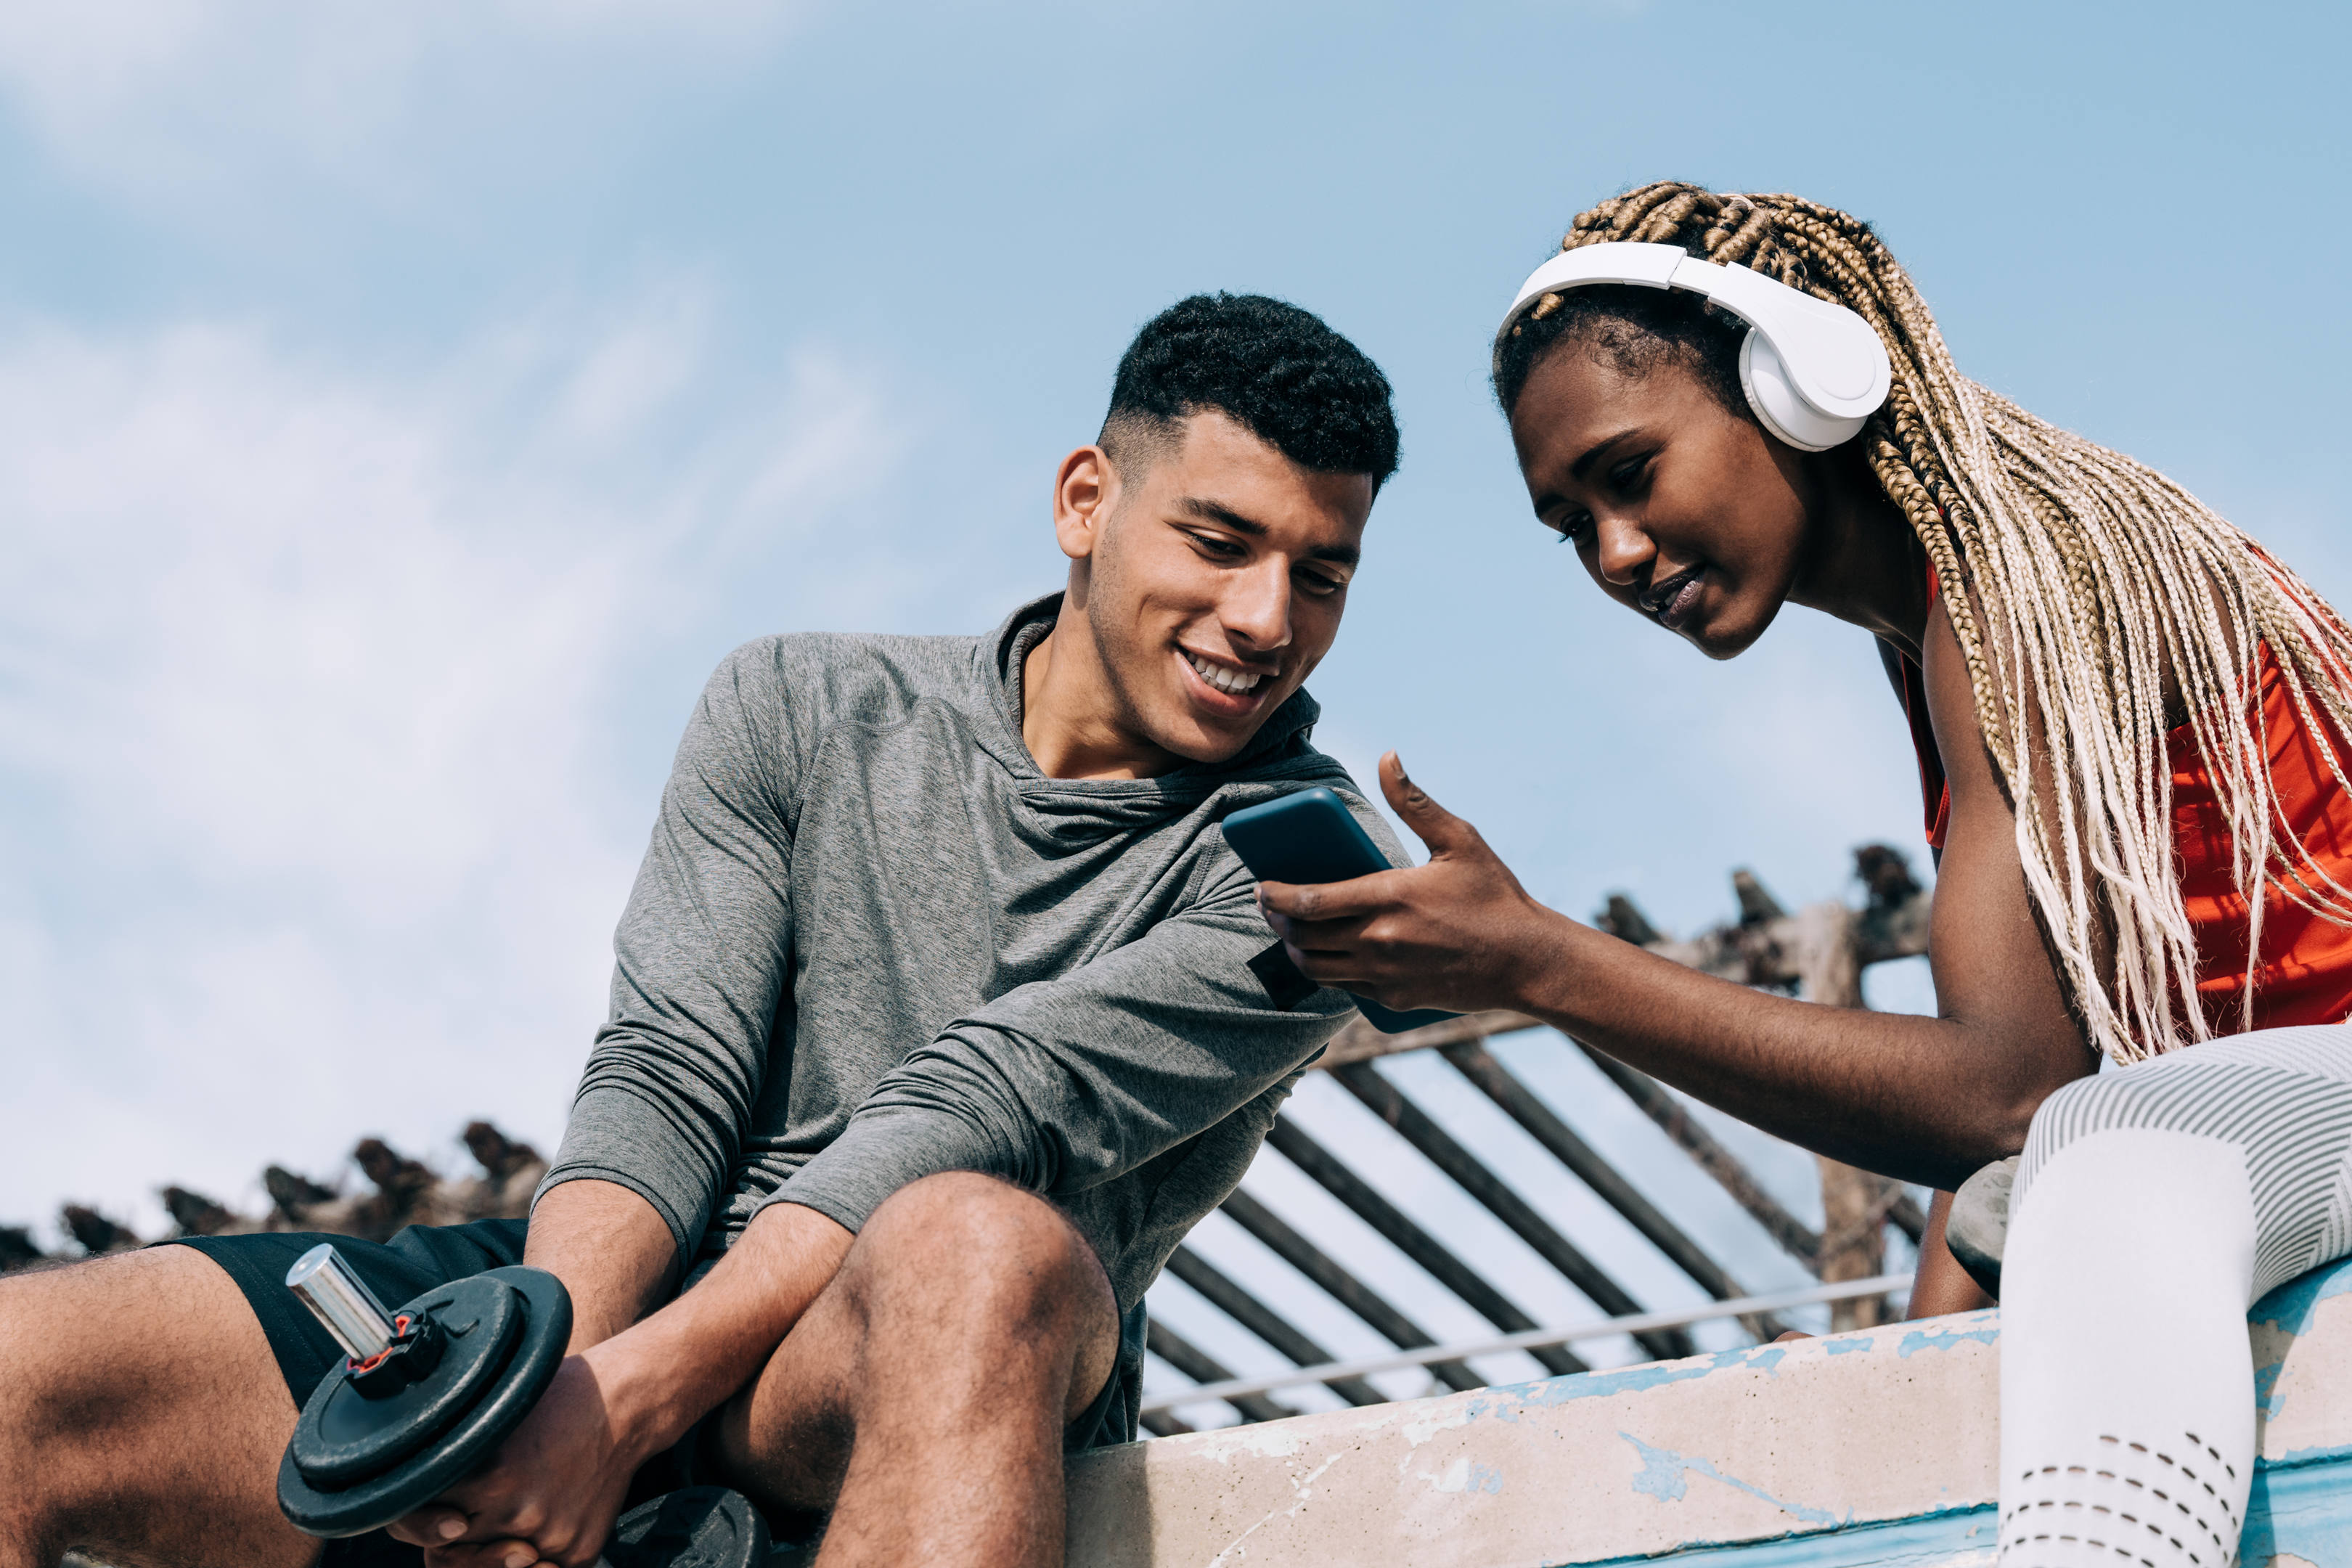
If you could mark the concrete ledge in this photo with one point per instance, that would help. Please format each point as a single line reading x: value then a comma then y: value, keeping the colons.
x: 1870, y: 1448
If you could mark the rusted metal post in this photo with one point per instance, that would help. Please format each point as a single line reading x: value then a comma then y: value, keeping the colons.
x: 1854, y: 1201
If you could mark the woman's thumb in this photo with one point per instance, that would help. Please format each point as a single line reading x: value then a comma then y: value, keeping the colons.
x: 1436, y: 827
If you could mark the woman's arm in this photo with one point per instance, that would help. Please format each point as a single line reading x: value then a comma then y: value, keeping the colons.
x: 1939, y: 1284
x: 1924, y: 1098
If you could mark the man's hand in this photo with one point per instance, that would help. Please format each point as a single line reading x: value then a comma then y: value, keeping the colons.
x: 552, y: 1495
x: 1456, y: 934
x: 558, y: 1482
x: 612, y: 1252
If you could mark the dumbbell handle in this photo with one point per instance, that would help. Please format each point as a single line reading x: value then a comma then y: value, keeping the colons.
x: 340, y: 1300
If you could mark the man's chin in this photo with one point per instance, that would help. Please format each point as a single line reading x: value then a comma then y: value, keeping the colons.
x: 1207, y: 743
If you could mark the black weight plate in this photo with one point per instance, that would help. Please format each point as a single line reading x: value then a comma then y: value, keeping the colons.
x: 344, y: 1437
x: 466, y: 1446
x: 699, y: 1527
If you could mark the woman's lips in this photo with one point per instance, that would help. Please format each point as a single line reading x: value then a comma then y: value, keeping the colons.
x: 1679, y: 600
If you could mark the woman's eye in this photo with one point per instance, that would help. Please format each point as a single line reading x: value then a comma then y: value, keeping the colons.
x: 1629, y: 471
x: 1572, y: 528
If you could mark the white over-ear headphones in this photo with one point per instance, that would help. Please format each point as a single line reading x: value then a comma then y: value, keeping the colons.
x: 1812, y: 370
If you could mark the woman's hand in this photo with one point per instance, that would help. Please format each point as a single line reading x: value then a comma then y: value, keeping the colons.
x: 1458, y: 933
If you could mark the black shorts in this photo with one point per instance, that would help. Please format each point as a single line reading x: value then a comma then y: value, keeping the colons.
x: 423, y: 1257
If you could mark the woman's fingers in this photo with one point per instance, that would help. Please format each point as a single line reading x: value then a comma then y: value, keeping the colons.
x: 1440, y: 829
x: 1323, y: 902
x: 1438, y: 935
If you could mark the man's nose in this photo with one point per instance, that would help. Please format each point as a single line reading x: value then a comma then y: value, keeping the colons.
x: 1257, y: 608
x: 1620, y: 548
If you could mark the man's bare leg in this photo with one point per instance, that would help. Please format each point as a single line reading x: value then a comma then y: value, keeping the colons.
x: 141, y: 1416
x: 922, y: 1397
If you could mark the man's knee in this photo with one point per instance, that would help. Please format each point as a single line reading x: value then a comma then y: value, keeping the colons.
x: 89, y: 1345
x: 131, y: 1384
x: 977, y: 1246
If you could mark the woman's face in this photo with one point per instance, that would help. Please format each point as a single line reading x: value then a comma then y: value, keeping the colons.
x: 1683, y: 511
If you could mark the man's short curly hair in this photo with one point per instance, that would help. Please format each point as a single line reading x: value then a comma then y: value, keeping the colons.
x: 1271, y: 367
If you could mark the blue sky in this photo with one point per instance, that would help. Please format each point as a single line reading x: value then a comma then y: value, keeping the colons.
x: 402, y: 408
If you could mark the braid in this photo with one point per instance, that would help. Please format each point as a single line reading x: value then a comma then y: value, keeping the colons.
x: 2074, y: 579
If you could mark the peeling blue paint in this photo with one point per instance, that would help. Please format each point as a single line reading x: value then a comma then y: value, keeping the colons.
x: 2267, y: 1403
x: 1930, y: 1540
x: 2294, y: 1305
x: 1504, y: 1404
x: 2304, y: 1509
x: 1662, y: 1473
x: 1848, y: 1347
x: 1483, y: 1478
x: 1588, y: 1385
x: 1945, y: 1339
x: 2335, y: 1454
x: 2298, y: 1507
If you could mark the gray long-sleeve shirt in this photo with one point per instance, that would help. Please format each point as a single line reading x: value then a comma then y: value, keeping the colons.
x: 871, y: 942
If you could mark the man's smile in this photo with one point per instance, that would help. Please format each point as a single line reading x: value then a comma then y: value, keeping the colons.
x: 1226, y: 689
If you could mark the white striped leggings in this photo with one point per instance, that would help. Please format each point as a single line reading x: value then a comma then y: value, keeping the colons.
x: 2153, y: 1207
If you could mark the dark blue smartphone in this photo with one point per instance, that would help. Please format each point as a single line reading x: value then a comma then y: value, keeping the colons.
x: 1311, y: 837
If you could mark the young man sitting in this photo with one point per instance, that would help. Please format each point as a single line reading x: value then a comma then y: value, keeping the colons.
x: 934, y: 1027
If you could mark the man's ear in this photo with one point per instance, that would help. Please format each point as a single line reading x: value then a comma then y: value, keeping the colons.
x: 1086, y: 493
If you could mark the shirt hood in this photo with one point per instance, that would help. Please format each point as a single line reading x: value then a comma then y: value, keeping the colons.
x: 1279, y: 753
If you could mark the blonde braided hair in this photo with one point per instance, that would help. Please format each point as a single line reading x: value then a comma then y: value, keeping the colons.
x: 2074, y: 577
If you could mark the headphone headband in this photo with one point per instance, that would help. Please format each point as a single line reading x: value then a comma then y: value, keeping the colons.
x: 1822, y: 370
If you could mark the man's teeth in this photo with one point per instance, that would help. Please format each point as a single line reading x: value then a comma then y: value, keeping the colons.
x: 1234, y: 681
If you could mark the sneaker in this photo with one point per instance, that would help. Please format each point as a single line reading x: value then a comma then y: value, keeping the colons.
x: 1976, y: 1228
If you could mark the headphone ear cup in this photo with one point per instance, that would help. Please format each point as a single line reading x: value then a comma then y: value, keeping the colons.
x: 1764, y: 377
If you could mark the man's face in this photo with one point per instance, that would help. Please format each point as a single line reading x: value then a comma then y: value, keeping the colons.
x: 1214, y: 580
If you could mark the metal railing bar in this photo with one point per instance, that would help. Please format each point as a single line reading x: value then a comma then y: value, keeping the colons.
x: 1659, y: 1104
x: 1390, y: 1103
x: 1473, y: 1061
x: 1341, y: 1286
x: 1357, y: 1041
x: 1263, y: 1320
x: 1534, y: 1338
x: 1409, y: 1238
x: 1206, y: 1369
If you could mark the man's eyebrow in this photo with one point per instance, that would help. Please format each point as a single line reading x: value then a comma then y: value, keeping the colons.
x: 1216, y: 511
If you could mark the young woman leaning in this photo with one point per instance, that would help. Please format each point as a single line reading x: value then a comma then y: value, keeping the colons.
x: 2132, y: 729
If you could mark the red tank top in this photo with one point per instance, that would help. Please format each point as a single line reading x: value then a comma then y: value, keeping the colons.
x: 2305, y: 973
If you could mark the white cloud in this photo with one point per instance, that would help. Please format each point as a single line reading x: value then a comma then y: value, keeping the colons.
x: 218, y: 113
x: 308, y: 709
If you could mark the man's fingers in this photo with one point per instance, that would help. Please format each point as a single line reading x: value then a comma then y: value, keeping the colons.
x: 429, y: 1526
x: 1434, y: 826
x: 483, y: 1554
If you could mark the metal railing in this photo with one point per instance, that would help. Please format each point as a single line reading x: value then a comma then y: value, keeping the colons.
x: 1633, y: 1323
x: 1765, y: 947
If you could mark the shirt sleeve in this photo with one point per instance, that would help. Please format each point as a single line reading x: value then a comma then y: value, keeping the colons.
x: 700, y: 961
x: 1064, y: 1084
